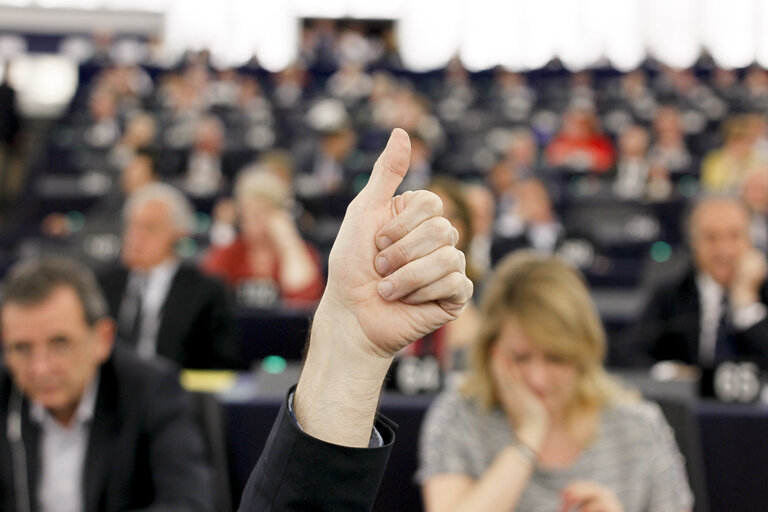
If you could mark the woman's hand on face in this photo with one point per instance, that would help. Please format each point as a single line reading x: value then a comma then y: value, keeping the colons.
x: 282, y: 229
x: 588, y: 496
x: 523, y: 408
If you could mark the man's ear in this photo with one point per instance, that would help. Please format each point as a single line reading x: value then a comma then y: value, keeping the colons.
x: 104, y: 330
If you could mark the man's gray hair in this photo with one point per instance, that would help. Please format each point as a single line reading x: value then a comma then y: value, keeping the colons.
x: 31, y: 282
x: 182, y: 212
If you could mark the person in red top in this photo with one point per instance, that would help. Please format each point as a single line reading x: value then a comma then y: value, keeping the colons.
x: 580, y: 145
x: 269, y: 246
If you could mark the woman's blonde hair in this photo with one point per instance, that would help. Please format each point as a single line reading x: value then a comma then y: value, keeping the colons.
x: 550, y: 303
x: 259, y: 182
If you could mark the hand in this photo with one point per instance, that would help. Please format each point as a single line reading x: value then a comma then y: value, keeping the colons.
x: 363, y: 318
x: 411, y: 244
x: 524, y: 410
x: 750, y: 274
x: 587, y: 496
x: 283, y: 231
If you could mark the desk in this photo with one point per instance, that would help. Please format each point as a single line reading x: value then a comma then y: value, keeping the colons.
x: 727, y: 440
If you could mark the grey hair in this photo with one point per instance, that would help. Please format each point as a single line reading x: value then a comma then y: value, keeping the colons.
x: 182, y: 212
x: 31, y: 282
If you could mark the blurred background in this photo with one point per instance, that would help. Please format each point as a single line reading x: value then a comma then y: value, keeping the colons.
x: 581, y: 128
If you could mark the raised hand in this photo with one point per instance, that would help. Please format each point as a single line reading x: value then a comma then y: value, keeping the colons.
x: 407, y: 240
x: 366, y: 315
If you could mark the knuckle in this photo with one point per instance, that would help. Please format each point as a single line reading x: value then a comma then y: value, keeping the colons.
x: 430, y: 202
x: 401, y: 253
x: 408, y: 278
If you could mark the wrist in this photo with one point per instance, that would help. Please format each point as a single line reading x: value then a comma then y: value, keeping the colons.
x: 532, y: 434
x: 742, y: 296
x: 339, y: 388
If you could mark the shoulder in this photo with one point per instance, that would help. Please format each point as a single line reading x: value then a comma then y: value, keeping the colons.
x: 188, y: 274
x: 451, y: 410
x: 112, y: 275
x: 635, y: 420
x: 141, y: 377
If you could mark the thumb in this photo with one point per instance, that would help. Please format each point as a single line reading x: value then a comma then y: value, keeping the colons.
x: 390, y: 168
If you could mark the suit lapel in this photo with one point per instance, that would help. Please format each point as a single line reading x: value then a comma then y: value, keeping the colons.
x: 102, y: 440
x: 691, y: 306
x: 31, y: 434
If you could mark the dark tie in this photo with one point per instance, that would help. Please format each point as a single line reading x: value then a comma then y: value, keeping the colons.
x: 725, y: 348
x: 130, y: 310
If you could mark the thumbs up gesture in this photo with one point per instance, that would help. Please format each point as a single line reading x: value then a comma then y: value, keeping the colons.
x: 394, y: 277
x: 394, y: 267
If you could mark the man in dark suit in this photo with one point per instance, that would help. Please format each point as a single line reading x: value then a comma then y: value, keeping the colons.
x: 717, y: 311
x: 395, y: 275
x: 88, y: 428
x: 162, y: 305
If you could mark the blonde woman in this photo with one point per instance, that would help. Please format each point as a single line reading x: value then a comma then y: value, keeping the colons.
x: 269, y: 247
x: 537, y: 423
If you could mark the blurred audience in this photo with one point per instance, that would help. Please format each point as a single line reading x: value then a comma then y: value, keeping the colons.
x: 579, y: 146
x: 163, y: 306
x: 269, y: 251
x: 754, y: 193
x: 537, y: 424
x: 723, y: 169
x: 717, y: 310
x: 538, y: 226
x: 10, y: 143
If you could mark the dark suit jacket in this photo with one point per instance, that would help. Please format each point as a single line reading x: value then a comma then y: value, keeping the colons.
x: 196, y: 329
x: 144, y: 451
x: 297, y: 472
x: 669, y: 329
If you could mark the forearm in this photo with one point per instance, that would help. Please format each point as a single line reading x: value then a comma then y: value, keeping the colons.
x: 338, y: 391
x: 502, y: 484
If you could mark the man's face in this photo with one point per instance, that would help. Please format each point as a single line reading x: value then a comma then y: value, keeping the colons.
x: 720, y: 237
x: 149, y: 236
x: 51, y: 351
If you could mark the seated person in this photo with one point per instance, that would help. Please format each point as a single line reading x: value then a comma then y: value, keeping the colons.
x: 717, y: 310
x: 89, y: 426
x: 532, y: 223
x: 537, y: 423
x: 580, y: 146
x: 270, y: 249
x: 162, y: 305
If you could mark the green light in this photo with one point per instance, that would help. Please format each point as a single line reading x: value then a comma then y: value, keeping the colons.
x: 186, y: 247
x: 661, y: 252
x: 76, y: 220
x: 202, y: 222
x: 273, y: 364
x: 688, y: 186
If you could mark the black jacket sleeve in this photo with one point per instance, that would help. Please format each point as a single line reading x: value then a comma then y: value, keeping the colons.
x: 297, y: 472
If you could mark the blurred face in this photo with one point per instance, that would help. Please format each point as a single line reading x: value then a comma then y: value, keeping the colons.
x: 551, y: 378
x: 150, y: 236
x: 719, y: 236
x: 51, y: 352
x: 136, y: 174
x: 254, y: 220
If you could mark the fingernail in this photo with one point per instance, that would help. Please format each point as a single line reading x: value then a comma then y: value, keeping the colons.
x: 386, y: 288
x: 383, y: 242
x: 382, y: 265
